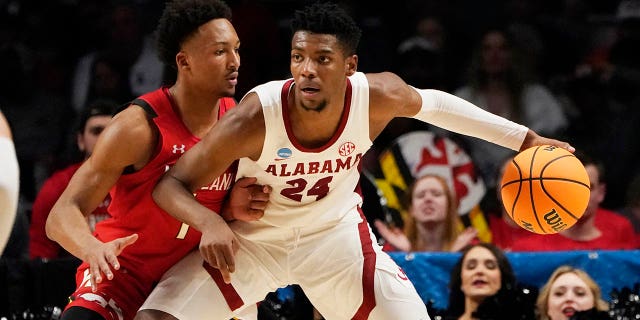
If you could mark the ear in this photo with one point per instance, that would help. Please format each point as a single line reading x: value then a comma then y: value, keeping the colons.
x: 182, y: 61
x: 351, y: 65
x: 80, y: 142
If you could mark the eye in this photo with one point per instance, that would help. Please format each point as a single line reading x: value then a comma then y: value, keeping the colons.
x: 490, y: 264
x: 324, y: 59
x: 580, y: 292
x: 219, y: 52
x: 96, y: 130
x: 437, y: 193
x: 471, y: 264
x: 296, y: 57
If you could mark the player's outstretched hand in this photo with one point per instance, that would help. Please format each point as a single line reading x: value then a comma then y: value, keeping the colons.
x: 395, y: 236
x: 533, y: 139
x: 247, y: 200
x: 218, y: 247
x: 104, y: 256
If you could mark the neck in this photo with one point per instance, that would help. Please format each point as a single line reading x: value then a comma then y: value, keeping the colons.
x: 430, y: 237
x: 583, y: 230
x: 314, y: 127
x: 198, y: 110
x: 470, y: 306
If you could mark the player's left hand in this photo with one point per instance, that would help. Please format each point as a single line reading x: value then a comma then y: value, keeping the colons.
x: 247, y: 200
x: 533, y: 139
x: 218, y: 247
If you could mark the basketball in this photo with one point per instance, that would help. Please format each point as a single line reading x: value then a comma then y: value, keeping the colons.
x: 545, y: 189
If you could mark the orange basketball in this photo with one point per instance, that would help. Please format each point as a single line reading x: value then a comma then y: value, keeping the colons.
x: 545, y: 189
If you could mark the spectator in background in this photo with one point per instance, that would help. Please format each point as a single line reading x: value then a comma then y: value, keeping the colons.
x: 92, y: 121
x: 597, y: 229
x: 9, y: 181
x: 632, y: 208
x: 107, y: 81
x: 570, y: 293
x: 605, y: 92
x: 504, y: 231
x: 432, y: 223
x: 483, y: 286
x: 131, y: 54
x: 498, y: 83
x: 421, y: 59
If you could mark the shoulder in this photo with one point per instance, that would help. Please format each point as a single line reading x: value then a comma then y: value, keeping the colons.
x: 268, y: 93
x: 129, y: 139
x: 385, y: 82
x: 387, y: 88
x: 132, y: 122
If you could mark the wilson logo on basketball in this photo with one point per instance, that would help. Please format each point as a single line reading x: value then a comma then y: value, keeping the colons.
x: 346, y: 149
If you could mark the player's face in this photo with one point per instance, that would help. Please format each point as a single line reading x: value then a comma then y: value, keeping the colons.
x: 319, y: 67
x: 87, y: 139
x: 481, y: 277
x: 429, y: 201
x: 210, y: 58
x: 568, y: 294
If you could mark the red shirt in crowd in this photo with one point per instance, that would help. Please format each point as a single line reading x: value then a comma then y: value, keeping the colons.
x: 617, y: 234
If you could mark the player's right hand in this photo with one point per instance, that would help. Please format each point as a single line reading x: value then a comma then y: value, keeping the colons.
x: 218, y: 247
x: 247, y: 200
x: 103, y: 256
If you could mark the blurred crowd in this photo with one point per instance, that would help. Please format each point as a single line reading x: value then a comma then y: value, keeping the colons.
x: 568, y: 69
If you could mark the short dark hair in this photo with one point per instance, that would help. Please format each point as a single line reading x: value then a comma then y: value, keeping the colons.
x: 180, y: 19
x: 456, y: 296
x: 328, y: 18
x: 101, y: 107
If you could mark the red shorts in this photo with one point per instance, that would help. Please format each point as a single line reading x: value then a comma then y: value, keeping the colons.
x: 116, y: 299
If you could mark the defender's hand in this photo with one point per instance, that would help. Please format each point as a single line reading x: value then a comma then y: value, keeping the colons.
x: 247, y: 200
x: 104, y: 256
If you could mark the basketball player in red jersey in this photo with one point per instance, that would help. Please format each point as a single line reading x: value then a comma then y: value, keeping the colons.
x: 305, y: 137
x: 127, y: 254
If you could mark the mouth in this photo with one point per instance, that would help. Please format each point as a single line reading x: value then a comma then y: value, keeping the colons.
x: 232, y: 78
x: 478, y: 283
x: 568, y: 311
x: 309, y: 91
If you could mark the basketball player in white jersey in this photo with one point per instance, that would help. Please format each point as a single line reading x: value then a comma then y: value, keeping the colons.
x: 305, y: 137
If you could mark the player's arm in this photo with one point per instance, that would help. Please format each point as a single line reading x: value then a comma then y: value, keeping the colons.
x: 392, y: 97
x: 240, y: 133
x: 9, y: 182
x: 128, y: 140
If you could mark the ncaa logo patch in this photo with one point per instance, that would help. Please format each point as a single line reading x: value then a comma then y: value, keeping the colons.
x: 346, y: 148
x: 283, y: 153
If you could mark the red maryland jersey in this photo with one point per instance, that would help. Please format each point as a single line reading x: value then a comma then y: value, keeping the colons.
x: 162, y: 240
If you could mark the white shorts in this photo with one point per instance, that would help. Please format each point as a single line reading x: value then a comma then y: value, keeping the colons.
x: 341, y: 269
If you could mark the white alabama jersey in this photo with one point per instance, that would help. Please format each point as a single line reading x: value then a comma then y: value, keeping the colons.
x: 310, y: 186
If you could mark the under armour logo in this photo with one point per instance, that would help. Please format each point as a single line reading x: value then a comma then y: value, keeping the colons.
x: 179, y: 148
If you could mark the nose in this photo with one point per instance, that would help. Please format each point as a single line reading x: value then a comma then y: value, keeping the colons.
x: 309, y: 68
x: 234, y: 61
